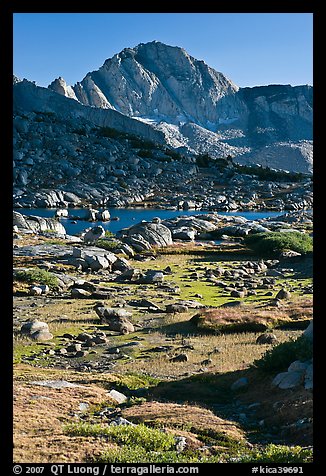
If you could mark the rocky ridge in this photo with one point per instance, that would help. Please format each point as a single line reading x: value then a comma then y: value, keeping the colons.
x: 200, y: 109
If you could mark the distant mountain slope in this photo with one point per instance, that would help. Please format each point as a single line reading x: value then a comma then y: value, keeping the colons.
x: 190, y: 106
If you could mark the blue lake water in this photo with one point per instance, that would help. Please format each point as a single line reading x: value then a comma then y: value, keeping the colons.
x: 130, y: 216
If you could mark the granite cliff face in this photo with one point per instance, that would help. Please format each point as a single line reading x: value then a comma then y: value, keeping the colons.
x: 201, y: 110
x: 158, y: 81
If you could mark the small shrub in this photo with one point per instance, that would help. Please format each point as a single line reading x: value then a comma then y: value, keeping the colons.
x: 280, y: 357
x: 276, y: 242
x: 149, y: 439
x: 37, y: 275
x: 108, y: 245
x: 278, y: 454
x: 138, y: 454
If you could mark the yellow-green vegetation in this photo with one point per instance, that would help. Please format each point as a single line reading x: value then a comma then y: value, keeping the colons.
x: 278, y: 454
x: 271, y: 454
x: 275, y: 242
x: 150, y: 439
x: 38, y: 276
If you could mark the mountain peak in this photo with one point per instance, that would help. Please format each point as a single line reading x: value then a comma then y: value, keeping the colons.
x: 157, y: 81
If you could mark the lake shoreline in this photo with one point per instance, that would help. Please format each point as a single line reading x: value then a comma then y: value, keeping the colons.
x: 125, y: 217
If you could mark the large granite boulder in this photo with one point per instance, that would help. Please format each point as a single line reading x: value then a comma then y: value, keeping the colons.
x: 145, y: 235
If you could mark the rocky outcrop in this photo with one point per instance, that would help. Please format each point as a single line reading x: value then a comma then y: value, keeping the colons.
x: 29, y: 98
x: 37, y: 224
x: 60, y: 86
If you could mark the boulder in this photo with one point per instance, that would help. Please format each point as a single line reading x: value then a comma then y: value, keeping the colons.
x: 61, y: 212
x: 185, y: 234
x: 41, y: 335
x: 116, y: 319
x: 308, y: 333
x: 91, y: 214
x: 298, y: 366
x: 237, y: 294
x: 39, y: 289
x: 95, y: 258
x: 94, y: 234
x: 145, y: 235
x: 33, y: 326
x: 75, y: 347
x: 283, y: 294
x: 176, y: 308
x: 78, y: 293
x: 266, y: 338
x: 180, y: 358
x: 152, y: 276
x: 103, y: 215
x: 118, y: 397
x: 287, y: 380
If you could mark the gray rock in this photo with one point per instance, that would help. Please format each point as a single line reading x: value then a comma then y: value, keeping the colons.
x: 152, y: 276
x: 121, y: 421
x: 180, y: 443
x: 126, y: 249
x: 176, y: 308
x: 61, y: 212
x: 41, y: 335
x: 144, y: 236
x: 35, y: 290
x: 287, y: 380
x: 94, y: 234
x: 238, y: 294
x: 121, y: 264
x: 77, y: 293
x: 116, y: 319
x: 118, y: 397
x: 74, y: 347
x: 180, y: 358
x: 308, y: 333
x: 103, y: 215
x: 232, y: 304
x: 34, y: 326
x: 183, y: 233
x: 290, y: 254
x: 283, y: 294
x: 267, y: 338
x: 39, y: 289
x: 91, y: 215
x: 298, y: 366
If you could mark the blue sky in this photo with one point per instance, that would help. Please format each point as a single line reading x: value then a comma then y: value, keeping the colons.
x: 250, y: 48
